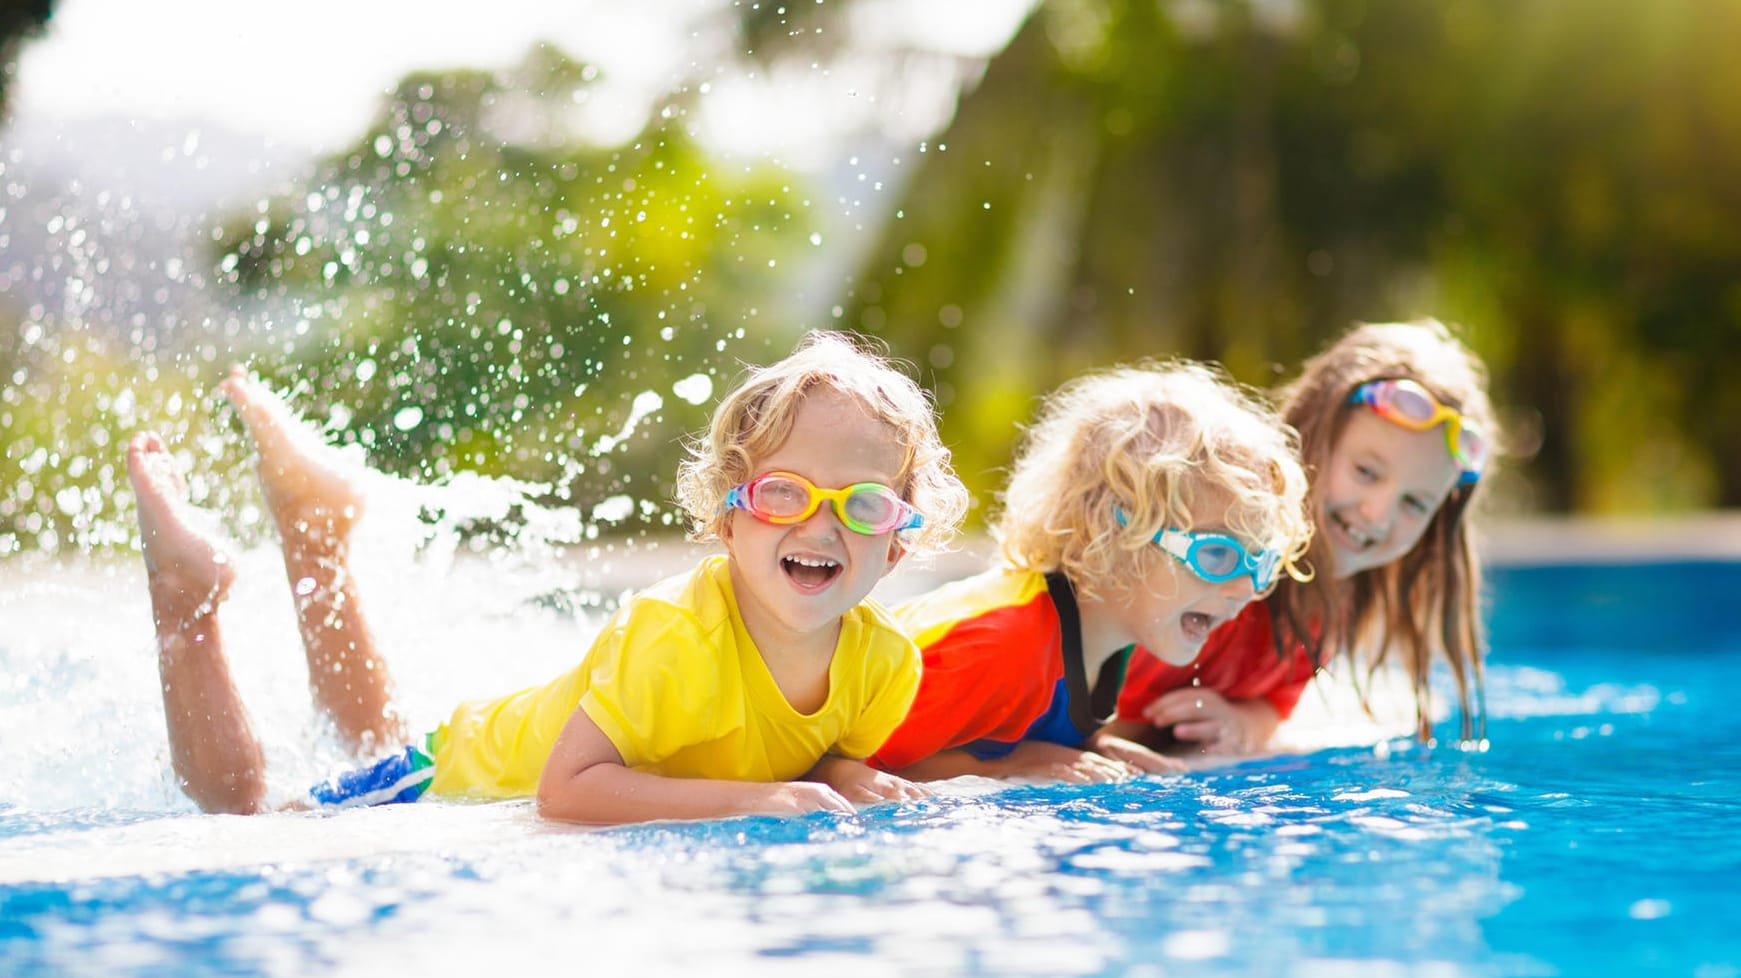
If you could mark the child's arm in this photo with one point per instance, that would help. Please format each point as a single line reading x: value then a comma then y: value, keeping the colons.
x: 1137, y: 731
x: 1030, y: 759
x: 1213, y: 723
x: 858, y: 781
x: 585, y: 781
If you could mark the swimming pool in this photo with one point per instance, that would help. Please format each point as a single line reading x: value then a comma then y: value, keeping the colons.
x: 1595, y: 837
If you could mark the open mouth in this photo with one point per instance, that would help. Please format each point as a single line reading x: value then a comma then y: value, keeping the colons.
x: 810, y: 573
x: 1196, y: 626
x: 1358, y: 537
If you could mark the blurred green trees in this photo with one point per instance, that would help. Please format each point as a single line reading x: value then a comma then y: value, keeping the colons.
x: 1240, y: 181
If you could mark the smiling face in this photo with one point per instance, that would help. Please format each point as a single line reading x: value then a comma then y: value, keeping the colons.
x: 793, y: 582
x: 1382, y: 485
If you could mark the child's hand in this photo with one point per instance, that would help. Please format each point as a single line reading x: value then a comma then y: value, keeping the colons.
x: 803, y: 797
x: 1039, y: 759
x: 1134, y: 754
x: 1212, y: 722
x: 858, y: 781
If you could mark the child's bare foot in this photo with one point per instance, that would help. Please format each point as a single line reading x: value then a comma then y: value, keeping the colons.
x: 185, y: 564
x: 315, y: 495
x: 310, y: 488
x: 211, y: 743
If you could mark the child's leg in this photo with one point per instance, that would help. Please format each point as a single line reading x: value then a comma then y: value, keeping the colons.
x: 211, y: 744
x: 315, y: 500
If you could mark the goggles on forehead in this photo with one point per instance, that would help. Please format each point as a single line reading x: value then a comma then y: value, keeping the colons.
x: 1407, y: 403
x: 783, y: 498
x: 1216, y: 557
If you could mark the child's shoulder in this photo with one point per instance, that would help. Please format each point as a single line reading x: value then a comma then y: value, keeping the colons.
x: 996, y: 586
x: 999, y: 589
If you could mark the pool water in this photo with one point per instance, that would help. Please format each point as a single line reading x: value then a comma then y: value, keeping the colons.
x: 1594, y: 837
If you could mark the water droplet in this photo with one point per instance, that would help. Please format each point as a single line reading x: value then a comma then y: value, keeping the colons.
x: 694, y: 389
x: 614, y: 509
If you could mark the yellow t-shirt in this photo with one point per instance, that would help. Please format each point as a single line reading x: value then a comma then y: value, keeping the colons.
x: 678, y: 686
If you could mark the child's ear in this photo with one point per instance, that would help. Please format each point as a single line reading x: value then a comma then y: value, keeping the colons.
x: 896, y: 552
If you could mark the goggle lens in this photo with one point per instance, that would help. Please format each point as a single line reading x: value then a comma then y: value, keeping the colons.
x: 873, y: 506
x: 777, y: 498
x: 1413, y: 404
x: 1216, y: 559
x: 1473, y: 448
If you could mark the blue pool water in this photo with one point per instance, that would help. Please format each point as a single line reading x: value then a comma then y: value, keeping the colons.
x: 1595, y: 837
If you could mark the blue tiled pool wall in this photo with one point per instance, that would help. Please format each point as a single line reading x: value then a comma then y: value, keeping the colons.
x: 1684, y: 604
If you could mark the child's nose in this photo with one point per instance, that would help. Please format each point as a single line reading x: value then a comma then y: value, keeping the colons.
x: 824, y: 521
x: 1377, y: 512
x: 1238, y: 589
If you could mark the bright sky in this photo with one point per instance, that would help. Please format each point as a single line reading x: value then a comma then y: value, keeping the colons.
x: 312, y: 73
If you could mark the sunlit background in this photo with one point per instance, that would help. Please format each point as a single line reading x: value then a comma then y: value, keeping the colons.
x: 538, y: 240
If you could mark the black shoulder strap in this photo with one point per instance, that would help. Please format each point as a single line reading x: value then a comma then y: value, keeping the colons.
x: 1075, y: 672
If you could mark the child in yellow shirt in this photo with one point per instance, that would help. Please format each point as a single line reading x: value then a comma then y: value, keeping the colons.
x: 752, y: 684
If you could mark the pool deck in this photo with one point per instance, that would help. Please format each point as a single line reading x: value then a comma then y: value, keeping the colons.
x: 1544, y: 540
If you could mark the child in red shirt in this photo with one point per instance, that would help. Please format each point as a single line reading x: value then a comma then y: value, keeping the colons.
x: 1397, y: 432
x: 1147, y: 504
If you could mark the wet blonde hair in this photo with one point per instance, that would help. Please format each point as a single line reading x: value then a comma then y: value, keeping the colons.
x: 752, y: 422
x: 1426, y: 602
x: 1169, y: 444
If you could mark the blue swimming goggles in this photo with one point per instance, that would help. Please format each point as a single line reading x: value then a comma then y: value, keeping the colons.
x: 1216, y: 557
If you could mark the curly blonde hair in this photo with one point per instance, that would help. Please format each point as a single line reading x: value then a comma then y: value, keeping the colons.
x: 1168, y: 445
x: 1426, y: 602
x: 755, y: 418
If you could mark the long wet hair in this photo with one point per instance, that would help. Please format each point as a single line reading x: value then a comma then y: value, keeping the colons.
x: 753, y: 420
x: 1426, y: 603
x: 1168, y: 445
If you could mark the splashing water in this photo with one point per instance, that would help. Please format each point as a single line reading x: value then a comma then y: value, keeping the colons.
x: 457, y: 292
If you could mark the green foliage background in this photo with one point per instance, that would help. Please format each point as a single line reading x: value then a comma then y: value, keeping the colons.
x: 474, y: 286
x: 1242, y: 181
x: 514, y: 293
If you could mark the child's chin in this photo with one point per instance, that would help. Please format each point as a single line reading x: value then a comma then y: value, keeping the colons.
x: 1352, y: 562
x: 1175, y: 653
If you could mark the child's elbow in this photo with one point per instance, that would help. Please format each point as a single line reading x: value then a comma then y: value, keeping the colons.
x: 552, y: 802
x: 572, y: 798
x: 542, y: 798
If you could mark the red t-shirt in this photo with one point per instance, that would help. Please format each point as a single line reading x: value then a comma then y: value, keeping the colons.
x: 993, y: 662
x: 1239, y: 661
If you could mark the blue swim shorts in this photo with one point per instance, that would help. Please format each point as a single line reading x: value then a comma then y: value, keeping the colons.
x: 392, y: 780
